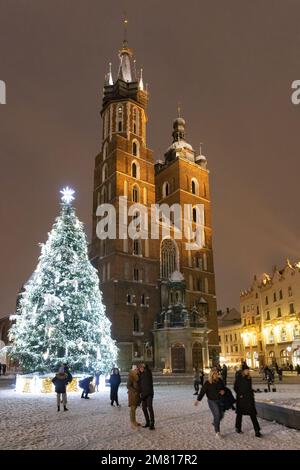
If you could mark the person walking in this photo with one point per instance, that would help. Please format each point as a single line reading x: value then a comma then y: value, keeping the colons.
x: 245, y: 403
x: 147, y: 394
x: 85, y: 385
x: 201, y: 373
x: 224, y: 374
x: 133, y: 390
x: 97, y: 381
x: 196, y: 381
x: 298, y: 369
x: 280, y: 373
x: 214, y: 389
x: 269, y: 378
x: 60, y: 382
x: 115, y: 380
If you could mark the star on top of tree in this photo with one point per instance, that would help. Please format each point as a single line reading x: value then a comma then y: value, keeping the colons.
x: 67, y: 195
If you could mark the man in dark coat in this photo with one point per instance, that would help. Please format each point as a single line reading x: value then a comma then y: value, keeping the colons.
x: 245, y: 403
x: 147, y: 393
x: 115, y: 380
x: 60, y: 382
x: 224, y: 374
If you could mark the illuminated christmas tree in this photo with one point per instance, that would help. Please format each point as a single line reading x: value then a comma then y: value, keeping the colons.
x: 61, y: 317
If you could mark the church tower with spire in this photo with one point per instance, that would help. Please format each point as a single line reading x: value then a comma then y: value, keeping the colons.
x: 128, y: 269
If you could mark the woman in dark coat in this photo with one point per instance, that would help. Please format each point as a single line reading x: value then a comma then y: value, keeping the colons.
x: 213, y: 388
x: 114, y: 381
x: 245, y: 403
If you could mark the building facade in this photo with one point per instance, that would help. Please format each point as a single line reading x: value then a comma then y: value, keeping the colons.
x: 230, y: 338
x: 270, y: 313
x: 137, y: 275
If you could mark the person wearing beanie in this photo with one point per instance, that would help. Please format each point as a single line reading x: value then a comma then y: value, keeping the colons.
x: 245, y: 403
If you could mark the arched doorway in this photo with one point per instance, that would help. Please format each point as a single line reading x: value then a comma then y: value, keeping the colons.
x: 197, y: 356
x: 178, y: 358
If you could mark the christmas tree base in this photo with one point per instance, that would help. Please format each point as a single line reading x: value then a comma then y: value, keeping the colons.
x: 37, y: 383
x: 33, y: 383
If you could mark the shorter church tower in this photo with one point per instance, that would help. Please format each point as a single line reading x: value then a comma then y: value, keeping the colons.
x: 183, y: 178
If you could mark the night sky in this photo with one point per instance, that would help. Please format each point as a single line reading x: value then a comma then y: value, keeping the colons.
x: 229, y: 63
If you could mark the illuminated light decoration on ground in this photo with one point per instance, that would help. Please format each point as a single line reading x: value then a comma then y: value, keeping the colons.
x: 36, y: 384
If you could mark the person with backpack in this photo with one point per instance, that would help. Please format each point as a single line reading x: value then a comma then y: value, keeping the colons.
x: 85, y: 385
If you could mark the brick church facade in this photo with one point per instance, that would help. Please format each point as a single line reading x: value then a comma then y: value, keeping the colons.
x: 159, y: 296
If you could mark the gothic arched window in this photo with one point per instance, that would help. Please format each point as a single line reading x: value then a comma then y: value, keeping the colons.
x: 195, y: 186
x: 135, y: 193
x: 135, y: 170
x: 105, y: 130
x: 135, y: 119
x: 105, y: 148
x: 168, y: 258
x: 103, y: 195
x: 136, y: 323
x: 120, y: 118
x: 104, y: 172
x: 135, y: 148
x: 194, y: 214
x: 137, y: 247
x: 165, y: 189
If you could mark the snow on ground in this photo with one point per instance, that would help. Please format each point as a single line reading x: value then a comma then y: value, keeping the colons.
x: 32, y: 422
x: 287, y: 396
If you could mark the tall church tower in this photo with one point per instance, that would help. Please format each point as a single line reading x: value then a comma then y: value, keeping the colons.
x: 128, y: 269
